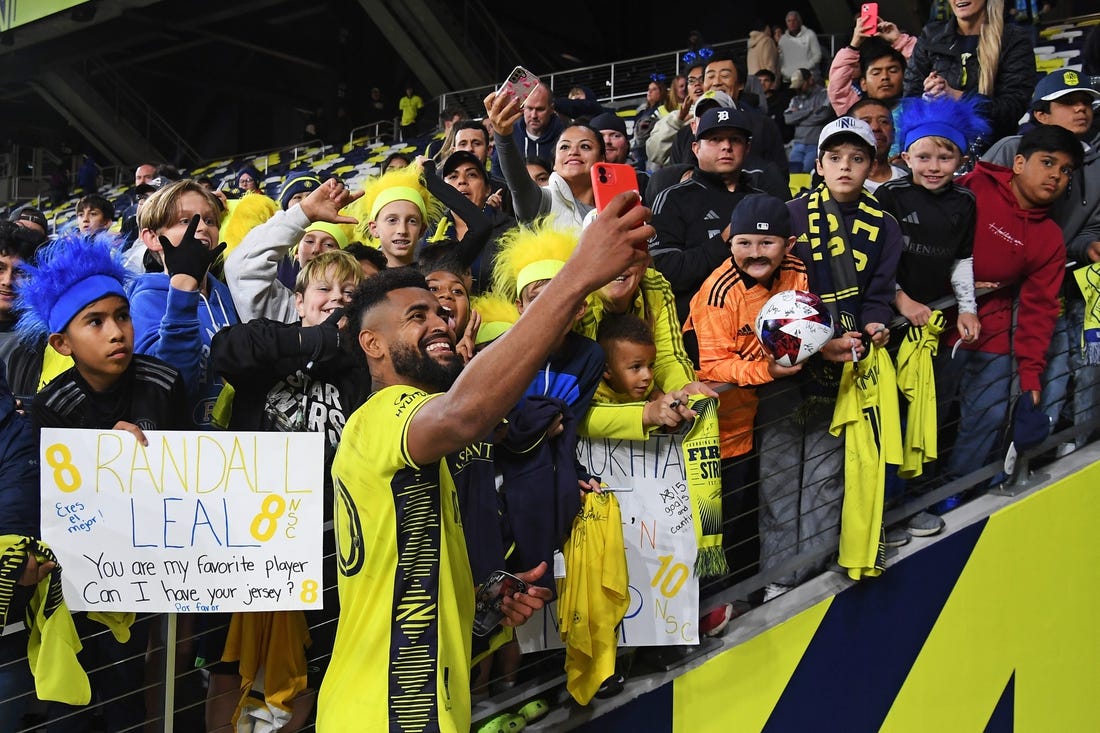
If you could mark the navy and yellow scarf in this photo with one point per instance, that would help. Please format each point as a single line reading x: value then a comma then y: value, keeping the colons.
x: 839, y: 254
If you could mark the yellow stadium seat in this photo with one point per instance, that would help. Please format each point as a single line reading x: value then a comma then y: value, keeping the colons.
x: 799, y: 182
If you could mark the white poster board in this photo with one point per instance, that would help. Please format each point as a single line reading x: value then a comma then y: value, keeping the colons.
x: 650, y: 484
x: 193, y: 522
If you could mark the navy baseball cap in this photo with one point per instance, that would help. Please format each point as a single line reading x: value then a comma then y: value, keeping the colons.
x: 1060, y: 83
x: 761, y: 213
x: 608, y: 121
x: 721, y: 118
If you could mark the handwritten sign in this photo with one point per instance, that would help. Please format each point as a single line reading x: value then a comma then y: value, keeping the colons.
x: 650, y: 481
x: 193, y: 522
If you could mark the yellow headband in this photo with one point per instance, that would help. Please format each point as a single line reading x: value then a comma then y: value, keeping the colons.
x: 491, y: 331
x: 537, y: 270
x: 333, y: 230
x: 398, y: 193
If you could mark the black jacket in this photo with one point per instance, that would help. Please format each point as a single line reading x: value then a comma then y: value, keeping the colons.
x: 19, y: 512
x: 286, y: 380
x: 937, y: 228
x: 149, y: 394
x: 940, y: 49
x: 689, y: 218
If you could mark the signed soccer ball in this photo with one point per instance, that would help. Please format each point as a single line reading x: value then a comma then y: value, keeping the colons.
x: 793, y: 325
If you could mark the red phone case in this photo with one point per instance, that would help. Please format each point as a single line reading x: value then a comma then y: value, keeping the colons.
x: 611, y: 179
x: 868, y: 19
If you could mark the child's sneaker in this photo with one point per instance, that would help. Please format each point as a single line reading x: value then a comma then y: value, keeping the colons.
x: 774, y: 590
x: 505, y: 723
x: 715, y: 622
x: 534, y: 710
x: 896, y: 536
x: 924, y: 524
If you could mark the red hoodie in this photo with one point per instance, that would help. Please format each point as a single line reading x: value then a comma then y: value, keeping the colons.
x: 1024, y: 250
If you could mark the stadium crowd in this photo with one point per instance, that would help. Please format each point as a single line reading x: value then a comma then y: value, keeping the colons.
x: 483, y: 294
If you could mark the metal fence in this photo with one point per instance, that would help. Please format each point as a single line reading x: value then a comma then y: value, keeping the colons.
x: 617, y: 81
x: 163, y: 644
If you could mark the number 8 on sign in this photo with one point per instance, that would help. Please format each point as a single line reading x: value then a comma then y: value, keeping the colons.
x: 65, y: 474
x: 265, y: 523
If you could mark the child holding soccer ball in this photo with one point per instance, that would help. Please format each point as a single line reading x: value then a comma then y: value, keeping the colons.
x: 722, y: 314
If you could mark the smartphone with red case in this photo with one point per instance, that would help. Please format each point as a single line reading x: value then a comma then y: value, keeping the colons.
x: 868, y: 19
x: 520, y: 84
x: 611, y: 179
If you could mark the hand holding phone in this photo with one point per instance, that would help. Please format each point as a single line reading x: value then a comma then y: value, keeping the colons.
x: 490, y: 596
x: 520, y: 84
x: 868, y: 19
x: 611, y: 179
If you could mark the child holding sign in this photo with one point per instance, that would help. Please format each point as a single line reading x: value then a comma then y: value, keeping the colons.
x: 76, y: 295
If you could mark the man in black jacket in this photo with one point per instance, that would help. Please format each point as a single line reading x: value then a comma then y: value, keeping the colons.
x: 692, y: 217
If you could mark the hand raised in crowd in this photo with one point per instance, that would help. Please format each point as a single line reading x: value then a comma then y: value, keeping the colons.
x: 504, y: 111
x: 322, y: 342
x: 844, y: 347
x: 685, y: 108
x: 520, y: 606
x: 887, y: 31
x: 495, y: 199
x: 188, y: 262
x: 325, y: 202
x: 616, y: 240
x: 467, y: 346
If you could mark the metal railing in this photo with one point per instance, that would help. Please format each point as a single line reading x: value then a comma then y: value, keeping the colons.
x: 541, y: 674
x: 130, y: 105
x: 377, y: 128
x: 616, y: 81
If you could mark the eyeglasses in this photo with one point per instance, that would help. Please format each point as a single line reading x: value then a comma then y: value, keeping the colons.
x: 695, y: 80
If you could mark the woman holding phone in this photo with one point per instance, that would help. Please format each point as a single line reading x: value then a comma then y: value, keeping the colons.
x: 974, y: 52
x: 568, y: 197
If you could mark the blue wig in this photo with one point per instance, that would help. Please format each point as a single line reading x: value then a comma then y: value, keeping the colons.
x: 960, y: 122
x: 68, y: 274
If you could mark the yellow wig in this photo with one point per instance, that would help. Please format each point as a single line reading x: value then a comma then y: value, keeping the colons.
x: 403, y: 184
x: 497, y: 316
x: 530, y: 254
x: 249, y: 212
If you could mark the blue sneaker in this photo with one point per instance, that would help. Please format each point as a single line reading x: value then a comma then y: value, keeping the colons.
x: 946, y: 505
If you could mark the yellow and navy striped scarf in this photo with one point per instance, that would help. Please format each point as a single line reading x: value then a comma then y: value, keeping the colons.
x: 843, y: 251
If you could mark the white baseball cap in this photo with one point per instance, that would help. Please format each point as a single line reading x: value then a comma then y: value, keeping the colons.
x: 847, y: 126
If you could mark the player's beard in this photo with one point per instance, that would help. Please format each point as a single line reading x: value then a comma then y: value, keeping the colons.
x: 421, y: 369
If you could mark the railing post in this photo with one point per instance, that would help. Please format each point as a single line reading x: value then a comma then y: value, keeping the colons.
x: 613, y: 82
x: 170, y: 675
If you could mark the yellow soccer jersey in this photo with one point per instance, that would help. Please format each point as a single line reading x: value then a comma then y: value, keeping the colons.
x: 917, y: 383
x: 595, y: 595
x: 401, y: 660
x: 867, y: 412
